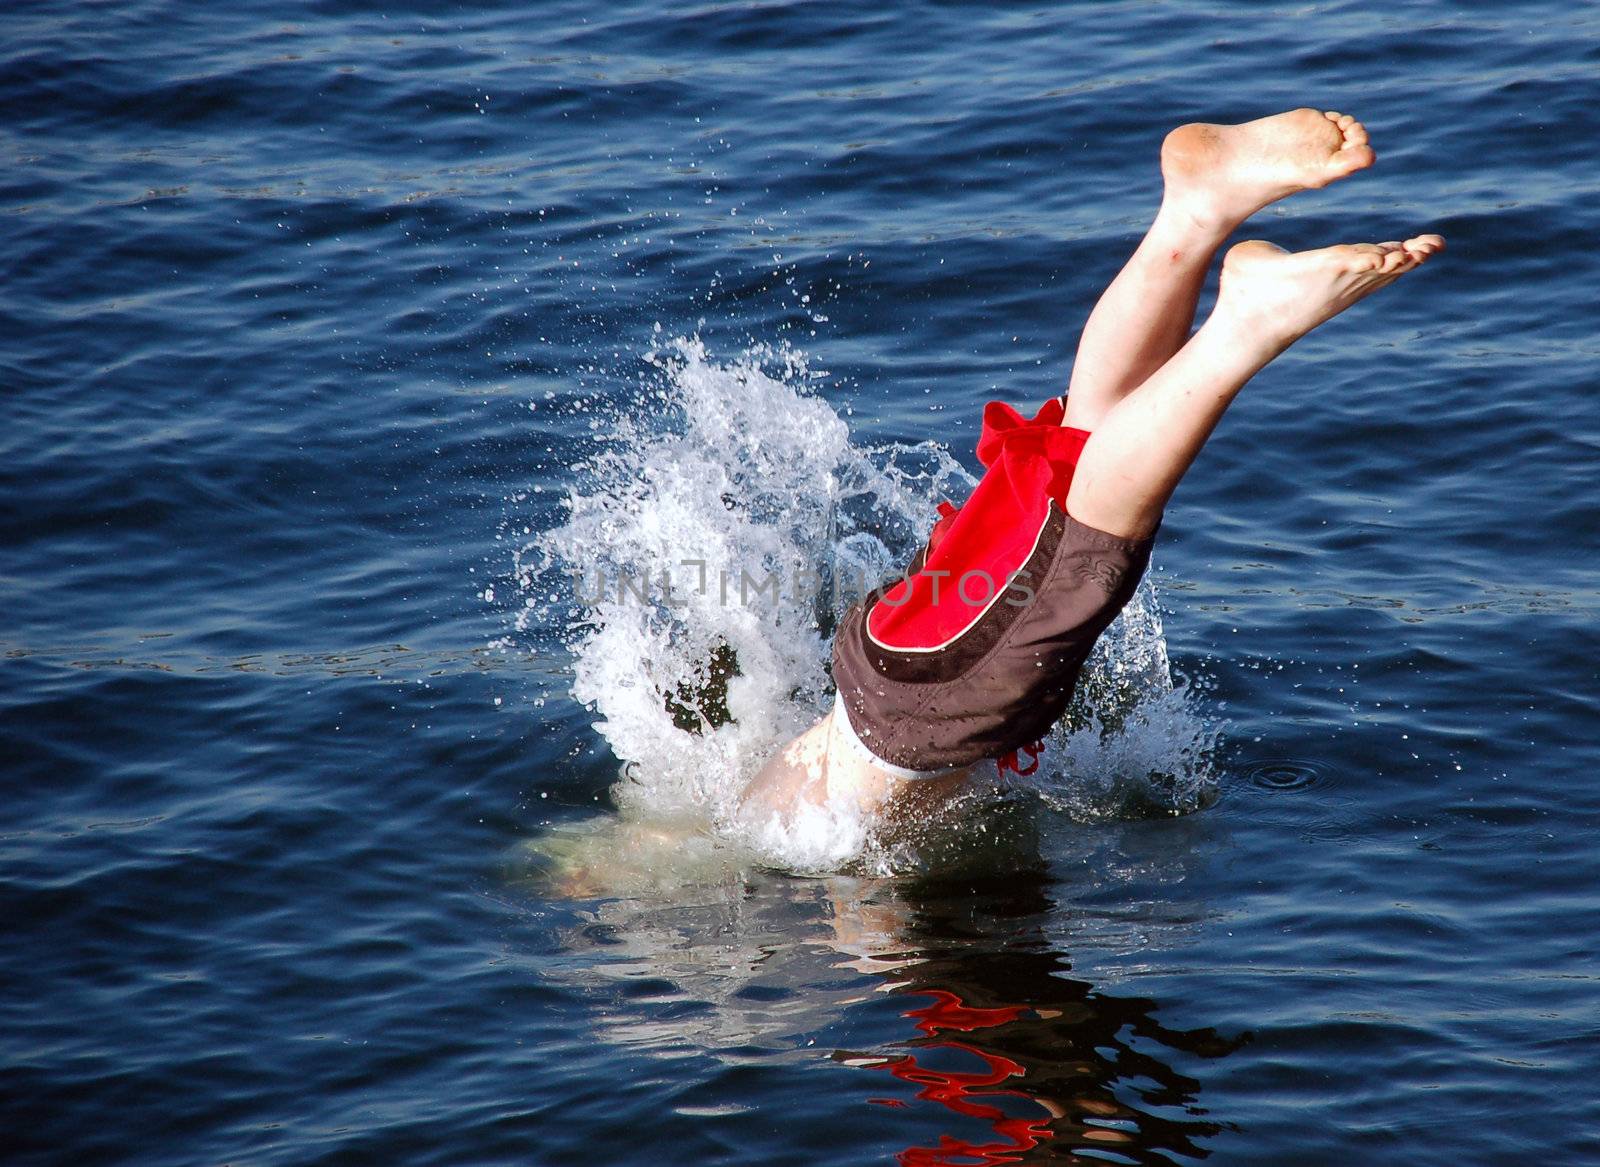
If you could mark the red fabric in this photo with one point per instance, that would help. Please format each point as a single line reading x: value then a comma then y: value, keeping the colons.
x: 1012, y: 762
x: 1029, y: 462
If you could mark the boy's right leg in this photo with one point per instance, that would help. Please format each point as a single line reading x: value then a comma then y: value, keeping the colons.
x: 1215, y: 177
x: 1269, y: 299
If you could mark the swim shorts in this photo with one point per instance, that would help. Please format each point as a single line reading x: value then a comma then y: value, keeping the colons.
x: 975, y: 651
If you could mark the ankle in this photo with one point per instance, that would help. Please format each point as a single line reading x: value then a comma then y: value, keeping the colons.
x: 1245, y: 334
x: 1192, y: 224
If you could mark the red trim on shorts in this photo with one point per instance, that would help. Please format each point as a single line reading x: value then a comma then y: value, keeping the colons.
x: 973, y: 550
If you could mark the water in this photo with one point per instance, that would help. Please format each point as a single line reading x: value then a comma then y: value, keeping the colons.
x: 320, y: 329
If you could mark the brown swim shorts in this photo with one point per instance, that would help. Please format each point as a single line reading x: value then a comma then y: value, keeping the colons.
x: 976, y: 650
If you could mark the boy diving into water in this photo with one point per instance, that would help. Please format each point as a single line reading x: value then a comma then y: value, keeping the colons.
x: 974, y: 654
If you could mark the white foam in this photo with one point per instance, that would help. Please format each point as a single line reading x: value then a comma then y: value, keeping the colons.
x: 1139, y: 747
x: 739, y: 464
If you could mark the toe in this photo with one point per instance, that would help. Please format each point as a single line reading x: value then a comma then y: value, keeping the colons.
x: 1397, y: 261
x: 1360, y: 257
x: 1351, y: 158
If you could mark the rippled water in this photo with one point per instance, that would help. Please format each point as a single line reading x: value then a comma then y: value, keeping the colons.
x: 316, y: 319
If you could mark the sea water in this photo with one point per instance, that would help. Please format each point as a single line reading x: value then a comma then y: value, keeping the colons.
x: 339, y: 828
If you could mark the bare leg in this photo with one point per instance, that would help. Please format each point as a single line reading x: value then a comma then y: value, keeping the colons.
x: 1269, y: 299
x: 818, y: 769
x: 1215, y: 178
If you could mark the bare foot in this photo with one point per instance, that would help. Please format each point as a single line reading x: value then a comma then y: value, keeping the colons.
x: 1278, y: 296
x: 1221, y: 175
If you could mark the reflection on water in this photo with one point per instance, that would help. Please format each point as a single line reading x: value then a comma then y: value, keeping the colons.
x: 954, y: 997
x: 1030, y: 1064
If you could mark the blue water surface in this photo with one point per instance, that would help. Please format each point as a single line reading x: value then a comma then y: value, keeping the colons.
x: 280, y: 285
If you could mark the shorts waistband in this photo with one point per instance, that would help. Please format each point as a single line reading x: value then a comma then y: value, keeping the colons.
x: 841, y: 721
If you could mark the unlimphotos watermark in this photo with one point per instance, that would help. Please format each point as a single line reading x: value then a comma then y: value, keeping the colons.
x: 671, y: 585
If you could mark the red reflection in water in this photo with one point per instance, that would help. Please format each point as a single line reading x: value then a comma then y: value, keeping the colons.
x: 960, y: 1091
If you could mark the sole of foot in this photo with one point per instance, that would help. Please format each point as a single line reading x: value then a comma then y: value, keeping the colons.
x: 1220, y: 175
x: 1280, y: 295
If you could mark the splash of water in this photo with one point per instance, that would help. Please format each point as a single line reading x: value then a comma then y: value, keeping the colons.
x: 712, y: 546
x: 1133, y: 744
